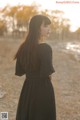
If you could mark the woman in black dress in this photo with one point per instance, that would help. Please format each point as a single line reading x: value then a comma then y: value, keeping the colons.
x: 34, y: 59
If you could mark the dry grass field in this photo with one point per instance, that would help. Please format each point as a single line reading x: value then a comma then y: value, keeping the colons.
x: 66, y: 81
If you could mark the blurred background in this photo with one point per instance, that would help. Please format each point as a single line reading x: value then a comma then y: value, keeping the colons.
x: 65, y: 43
x: 15, y: 15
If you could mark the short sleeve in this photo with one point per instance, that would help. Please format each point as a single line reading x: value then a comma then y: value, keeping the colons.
x: 18, y: 69
x: 46, y: 67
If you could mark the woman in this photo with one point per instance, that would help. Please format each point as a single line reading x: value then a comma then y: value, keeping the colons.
x: 34, y: 59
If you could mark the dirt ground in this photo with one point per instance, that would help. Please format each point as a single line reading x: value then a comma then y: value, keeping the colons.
x: 66, y: 81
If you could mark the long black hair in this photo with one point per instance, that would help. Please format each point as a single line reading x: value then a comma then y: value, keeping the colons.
x: 27, y: 52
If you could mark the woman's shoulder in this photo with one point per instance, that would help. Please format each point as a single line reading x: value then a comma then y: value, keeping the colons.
x: 45, y: 45
x: 45, y: 48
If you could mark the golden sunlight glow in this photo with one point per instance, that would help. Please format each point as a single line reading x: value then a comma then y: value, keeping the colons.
x: 71, y: 10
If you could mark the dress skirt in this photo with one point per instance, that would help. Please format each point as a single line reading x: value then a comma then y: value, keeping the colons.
x: 37, y: 100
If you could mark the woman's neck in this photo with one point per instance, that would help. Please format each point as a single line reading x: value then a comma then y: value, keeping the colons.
x: 42, y: 40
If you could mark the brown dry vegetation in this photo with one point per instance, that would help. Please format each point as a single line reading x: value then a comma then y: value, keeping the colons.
x: 66, y: 81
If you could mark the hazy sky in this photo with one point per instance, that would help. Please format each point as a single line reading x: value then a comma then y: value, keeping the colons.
x: 70, y: 8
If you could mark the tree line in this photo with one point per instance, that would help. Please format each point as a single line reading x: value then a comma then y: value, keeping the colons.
x: 14, y: 20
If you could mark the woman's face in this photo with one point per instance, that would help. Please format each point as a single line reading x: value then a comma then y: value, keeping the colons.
x: 45, y: 30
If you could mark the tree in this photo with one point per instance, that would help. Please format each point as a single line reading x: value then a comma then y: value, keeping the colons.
x: 17, y: 17
x: 23, y: 15
x: 56, y: 18
x: 65, y: 26
x: 60, y: 25
x: 77, y: 32
x: 11, y: 12
x: 2, y: 27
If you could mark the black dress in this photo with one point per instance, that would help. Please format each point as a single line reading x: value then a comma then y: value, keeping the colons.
x: 37, y: 100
